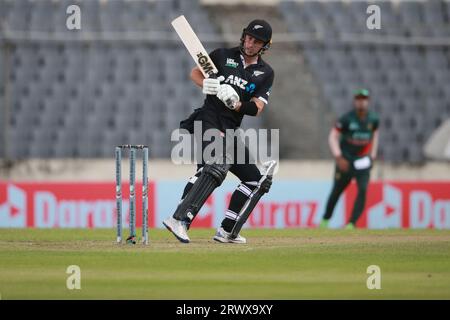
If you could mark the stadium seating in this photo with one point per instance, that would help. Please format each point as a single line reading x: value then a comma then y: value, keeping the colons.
x: 410, y: 83
x: 77, y: 97
x: 74, y: 98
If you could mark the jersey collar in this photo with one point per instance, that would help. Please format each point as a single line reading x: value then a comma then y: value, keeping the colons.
x: 246, y: 65
x: 258, y: 62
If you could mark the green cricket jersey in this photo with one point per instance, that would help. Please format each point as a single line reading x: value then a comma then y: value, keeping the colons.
x: 356, y: 134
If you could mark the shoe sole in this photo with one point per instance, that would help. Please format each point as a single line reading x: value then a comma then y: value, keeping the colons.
x: 176, y: 236
x: 237, y: 242
x: 221, y: 240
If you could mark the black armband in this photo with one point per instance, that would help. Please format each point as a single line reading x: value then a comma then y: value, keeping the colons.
x: 249, y: 108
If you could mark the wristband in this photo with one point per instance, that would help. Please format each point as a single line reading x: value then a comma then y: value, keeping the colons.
x: 249, y: 108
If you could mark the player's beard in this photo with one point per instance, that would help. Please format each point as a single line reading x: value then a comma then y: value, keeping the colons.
x: 361, y: 108
x: 250, y: 54
x: 361, y: 111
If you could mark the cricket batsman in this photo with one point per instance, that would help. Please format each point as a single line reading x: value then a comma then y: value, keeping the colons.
x: 353, y: 142
x: 241, y: 88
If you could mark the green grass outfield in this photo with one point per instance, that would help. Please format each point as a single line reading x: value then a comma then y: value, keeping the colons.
x: 275, y: 264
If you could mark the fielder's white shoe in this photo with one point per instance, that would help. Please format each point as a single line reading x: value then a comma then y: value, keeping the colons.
x: 225, y: 237
x: 178, y: 228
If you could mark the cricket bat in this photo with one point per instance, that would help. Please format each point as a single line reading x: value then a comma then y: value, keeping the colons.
x: 194, y: 46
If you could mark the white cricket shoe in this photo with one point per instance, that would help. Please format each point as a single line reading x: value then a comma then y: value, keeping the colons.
x: 225, y: 237
x: 178, y: 228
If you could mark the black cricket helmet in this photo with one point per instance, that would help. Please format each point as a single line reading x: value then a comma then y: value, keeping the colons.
x: 261, y: 30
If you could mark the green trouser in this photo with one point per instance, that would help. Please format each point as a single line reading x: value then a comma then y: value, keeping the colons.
x: 341, y: 181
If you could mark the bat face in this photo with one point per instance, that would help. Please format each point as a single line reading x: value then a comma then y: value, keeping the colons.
x: 194, y: 46
x: 206, y: 65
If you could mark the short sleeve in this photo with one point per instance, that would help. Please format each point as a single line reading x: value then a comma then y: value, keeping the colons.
x: 376, y: 123
x: 263, y: 92
x: 341, y: 124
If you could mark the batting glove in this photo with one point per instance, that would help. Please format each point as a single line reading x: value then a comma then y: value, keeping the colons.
x: 211, y: 86
x: 228, y: 96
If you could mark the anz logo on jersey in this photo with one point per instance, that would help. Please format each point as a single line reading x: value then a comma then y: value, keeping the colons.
x: 241, y: 83
x: 250, y: 88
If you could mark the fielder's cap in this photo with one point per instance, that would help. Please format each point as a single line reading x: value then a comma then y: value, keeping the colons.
x: 361, y: 93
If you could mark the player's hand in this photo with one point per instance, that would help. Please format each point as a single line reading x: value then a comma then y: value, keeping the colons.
x: 212, y: 85
x: 228, y: 96
x: 342, y: 164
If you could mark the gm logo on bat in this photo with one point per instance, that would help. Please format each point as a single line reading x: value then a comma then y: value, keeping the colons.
x: 205, y: 64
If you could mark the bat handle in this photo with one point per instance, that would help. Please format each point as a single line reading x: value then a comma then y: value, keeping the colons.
x: 212, y: 75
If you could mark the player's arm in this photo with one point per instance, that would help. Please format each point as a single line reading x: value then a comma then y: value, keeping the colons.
x: 197, y: 76
x: 374, y: 151
x: 333, y: 142
x: 258, y: 106
x: 209, y: 85
x: 255, y: 106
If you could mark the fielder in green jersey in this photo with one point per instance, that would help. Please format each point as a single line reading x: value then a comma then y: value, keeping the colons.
x: 354, y: 143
